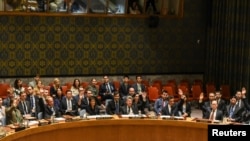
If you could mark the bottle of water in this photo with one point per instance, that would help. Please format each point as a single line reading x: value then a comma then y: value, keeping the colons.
x: 139, y: 113
x: 52, y: 119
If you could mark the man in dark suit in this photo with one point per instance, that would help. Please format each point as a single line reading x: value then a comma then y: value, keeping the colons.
x: 221, y: 102
x: 34, y: 102
x: 239, y: 99
x: 171, y: 109
x: 214, y: 113
x: 81, y: 99
x: 233, y: 111
x: 107, y: 90
x: 24, y: 105
x: 124, y: 87
x: 245, y: 116
x: 206, y: 105
x: 138, y: 86
x: 114, y: 106
x: 69, y: 104
x: 50, y: 109
x: 129, y: 108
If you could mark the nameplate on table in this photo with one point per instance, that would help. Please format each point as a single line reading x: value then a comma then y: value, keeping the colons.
x: 59, y: 119
x: 19, y: 128
x: 203, y: 120
x: 75, y: 119
x: 133, y: 116
x: 104, y: 117
x: 43, y: 122
x: 136, y: 117
x: 100, y: 117
x: 172, y: 118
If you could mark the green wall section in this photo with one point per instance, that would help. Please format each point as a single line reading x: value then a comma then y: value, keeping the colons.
x: 78, y: 45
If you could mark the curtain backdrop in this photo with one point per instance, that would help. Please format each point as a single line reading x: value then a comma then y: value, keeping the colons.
x: 228, y: 50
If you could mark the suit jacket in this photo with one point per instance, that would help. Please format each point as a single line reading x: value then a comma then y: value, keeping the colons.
x: 111, y: 108
x: 6, y: 102
x: 236, y: 113
x: 21, y: 108
x: 124, y: 109
x: 219, y: 115
x: 42, y: 105
x: 84, y: 103
x: 241, y: 104
x: 48, y: 112
x: 142, y: 104
x: 37, y: 109
x: 246, y: 104
x: 93, y: 111
x: 58, y: 102
x: 158, y: 105
x: 188, y: 109
x: 222, y: 106
x: 74, y: 104
x: 143, y: 88
x: 174, y: 109
x: 205, y: 107
x: 123, y: 91
x: 103, y: 91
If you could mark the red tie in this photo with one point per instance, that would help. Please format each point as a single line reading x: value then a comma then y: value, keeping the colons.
x: 212, y: 115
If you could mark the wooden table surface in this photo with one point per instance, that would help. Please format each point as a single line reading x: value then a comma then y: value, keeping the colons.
x: 116, y: 129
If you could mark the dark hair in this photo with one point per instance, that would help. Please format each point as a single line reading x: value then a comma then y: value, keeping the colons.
x: 12, y: 100
x: 233, y: 97
x: 137, y: 76
x: 164, y: 91
x: 125, y: 76
x: 116, y: 93
x: 74, y: 83
x: 92, y: 98
x: 16, y: 86
x: 170, y: 97
x: 68, y: 91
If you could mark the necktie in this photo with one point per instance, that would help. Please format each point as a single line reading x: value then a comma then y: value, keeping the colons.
x: 69, y: 105
x: 116, y: 108
x: 163, y: 104
x: 139, y: 88
x: 184, y: 108
x: 212, y: 115
x: 24, y: 107
x: 129, y: 110
x: 126, y: 86
x: 108, y: 88
x: 231, y: 111
x: 32, y: 100
x: 53, y: 111
x: 239, y: 103
x: 170, y: 110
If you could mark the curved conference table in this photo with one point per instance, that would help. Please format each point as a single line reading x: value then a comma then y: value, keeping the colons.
x: 115, y: 130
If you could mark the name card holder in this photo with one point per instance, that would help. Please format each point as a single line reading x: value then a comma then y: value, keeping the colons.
x: 135, y: 117
x: 100, y: 118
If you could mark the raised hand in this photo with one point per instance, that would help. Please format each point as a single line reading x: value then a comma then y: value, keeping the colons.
x: 243, y: 90
x: 201, y: 96
x: 180, y: 92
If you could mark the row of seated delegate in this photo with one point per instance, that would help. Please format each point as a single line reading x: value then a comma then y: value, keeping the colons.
x: 46, y: 106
